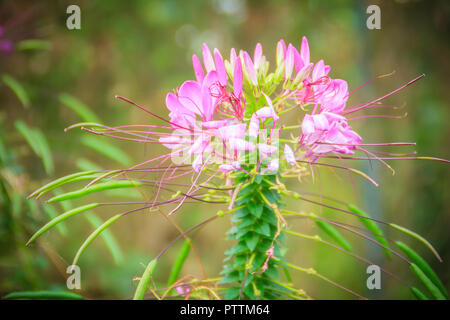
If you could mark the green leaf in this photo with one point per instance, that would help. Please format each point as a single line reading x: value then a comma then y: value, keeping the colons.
x: 106, y: 149
x: 33, y: 44
x: 232, y: 293
x: 145, y: 280
x: 263, y: 228
x: 423, y: 265
x: 17, y: 88
x: 333, y: 233
x: 230, y: 277
x: 417, y: 237
x: 78, y: 107
x: 373, y: 227
x: 43, y: 295
x: 252, y: 240
x: 239, y: 214
x: 28, y: 134
x: 61, y: 181
x: 60, y: 218
x: 44, y: 151
x: 418, y: 294
x: 178, y: 265
x: 269, y: 217
x: 52, y: 213
x: 255, y: 209
x: 38, y: 143
x: 101, y: 229
x: 427, y: 282
x: 94, y: 188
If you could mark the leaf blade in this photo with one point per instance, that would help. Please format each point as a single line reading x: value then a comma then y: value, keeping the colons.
x: 60, y: 218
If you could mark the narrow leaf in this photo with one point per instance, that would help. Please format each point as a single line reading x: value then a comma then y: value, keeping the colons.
x: 427, y: 282
x: 78, y: 107
x: 43, y: 295
x: 59, y: 182
x: 417, y: 237
x: 94, y: 188
x: 373, y: 227
x: 178, y: 265
x: 107, y: 237
x: 423, y: 265
x: 28, y: 134
x: 333, y: 233
x: 145, y: 280
x: 419, y: 294
x: 52, y: 213
x: 17, y: 88
x: 33, y: 44
x: 60, y: 218
x: 44, y: 151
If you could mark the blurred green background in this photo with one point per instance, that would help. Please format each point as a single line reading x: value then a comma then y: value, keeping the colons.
x: 142, y: 50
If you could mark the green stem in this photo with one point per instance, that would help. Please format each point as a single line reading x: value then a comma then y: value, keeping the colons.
x: 255, y: 230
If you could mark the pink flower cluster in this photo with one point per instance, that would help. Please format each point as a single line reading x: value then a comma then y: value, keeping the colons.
x: 213, y: 107
x: 326, y: 129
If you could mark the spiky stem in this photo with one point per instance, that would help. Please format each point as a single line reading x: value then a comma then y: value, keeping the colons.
x: 256, y: 228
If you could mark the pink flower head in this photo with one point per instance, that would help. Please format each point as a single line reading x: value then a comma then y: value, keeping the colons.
x: 327, y: 132
x: 183, y: 290
x: 334, y: 97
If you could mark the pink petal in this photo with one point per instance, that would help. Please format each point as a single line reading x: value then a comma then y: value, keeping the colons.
x: 289, y: 61
x: 253, y: 127
x: 237, y: 77
x: 220, y: 67
x: 198, y: 70
x: 304, y: 51
x: 257, y: 55
x: 225, y: 168
x: 289, y: 155
x: 190, y: 96
x: 197, y: 163
x: 250, y: 68
x: 233, y: 57
x: 215, y: 124
x: 209, y: 101
x: 233, y: 131
x: 274, y: 164
x: 318, y: 71
x: 281, y: 51
x: 308, y: 125
x: 237, y: 144
x: 267, y: 112
x: 173, y: 104
x: 208, y: 59
x: 298, y: 61
x: 266, y: 150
